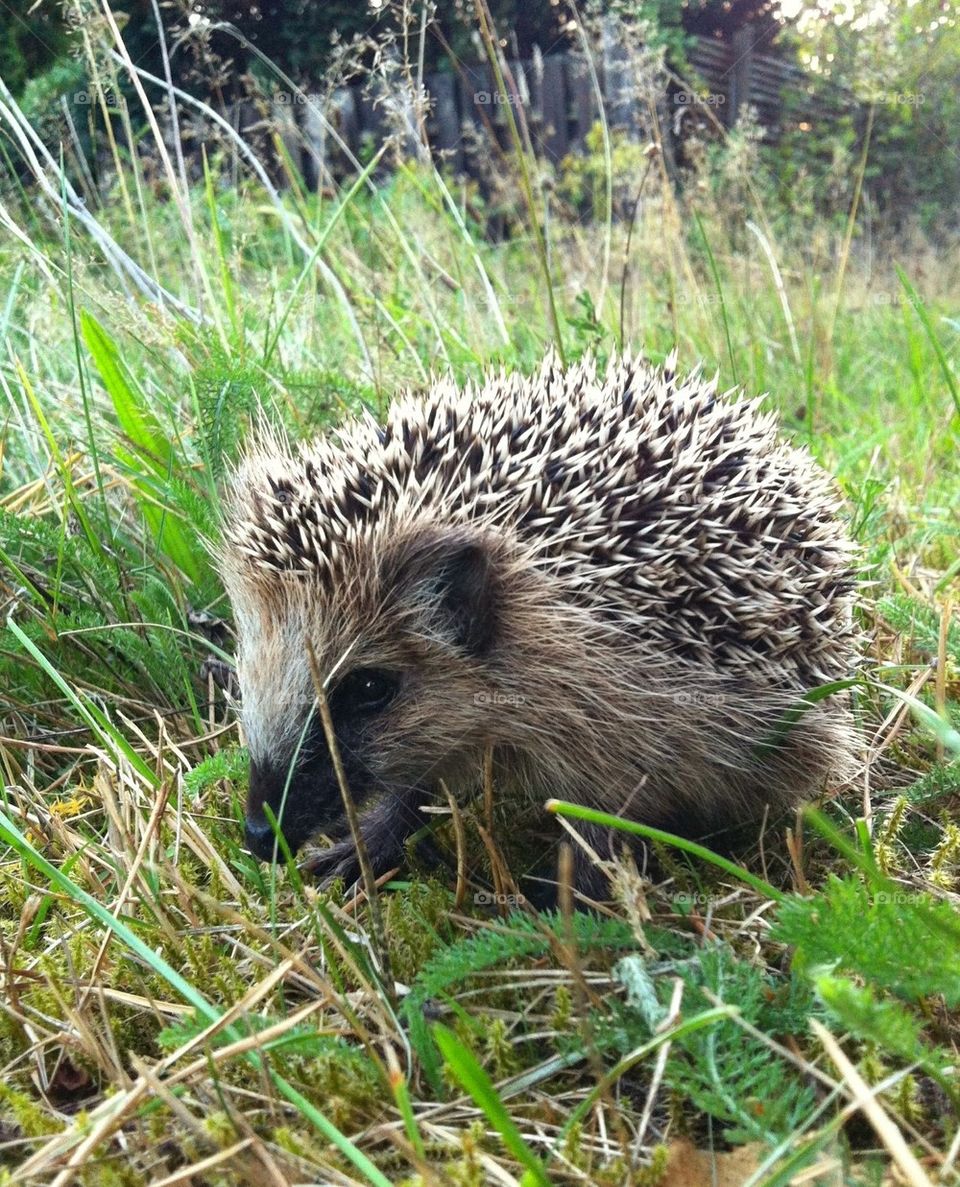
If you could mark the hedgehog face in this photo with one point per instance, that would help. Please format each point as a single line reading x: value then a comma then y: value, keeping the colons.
x: 403, y: 644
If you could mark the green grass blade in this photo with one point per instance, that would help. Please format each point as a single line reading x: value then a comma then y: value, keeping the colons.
x: 401, y: 1094
x: 921, y: 311
x: 796, y: 712
x: 129, y: 403
x: 173, y: 535
x: 70, y: 490
x: 220, y: 245
x: 471, y: 1076
x: 941, y: 727
x: 114, y: 742
x: 686, y: 1027
x: 715, y: 272
x: 318, y: 248
x: 591, y: 816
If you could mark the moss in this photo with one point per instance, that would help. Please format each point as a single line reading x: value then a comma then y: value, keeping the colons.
x: 29, y: 1116
x: 573, y: 1151
x: 500, y: 1055
x: 111, y: 1170
x: 561, y: 1018
x: 885, y: 845
x: 906, y: 1101
x: 468, y: 1172
x: 14, y: 889
x: 417, y: 925
x: 299, y: 1143
x: 219, y: 1128
x: 13, y: 1040
x: 346, y: 1085
x: 945, y: 859
x: 652, y: 1174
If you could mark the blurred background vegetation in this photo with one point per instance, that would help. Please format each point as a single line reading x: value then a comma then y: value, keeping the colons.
x: 897, y: 64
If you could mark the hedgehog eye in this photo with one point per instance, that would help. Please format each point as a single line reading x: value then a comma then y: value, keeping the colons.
x: 366, y: 690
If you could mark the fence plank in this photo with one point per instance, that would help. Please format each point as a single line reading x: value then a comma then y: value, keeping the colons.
x: 371, y: 121
x: 550, y: 103
x: 516, y: 79
x: 583, y: 99
x: 618, y: 89
x: 476, y: 95
x: 314, y: 127
x: 347, y: 117
x: 739, y: 93
x: 446, y: 133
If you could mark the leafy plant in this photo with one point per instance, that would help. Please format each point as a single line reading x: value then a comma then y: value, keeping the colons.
x: 906, y: 942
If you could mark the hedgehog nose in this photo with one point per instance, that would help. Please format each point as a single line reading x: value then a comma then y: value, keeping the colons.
x: 259, y: 837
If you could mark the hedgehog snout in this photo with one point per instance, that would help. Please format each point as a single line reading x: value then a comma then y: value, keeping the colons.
x: 258, y: 837
x: 295, y: 798
x: 258, y: 832
x: 293, y: 775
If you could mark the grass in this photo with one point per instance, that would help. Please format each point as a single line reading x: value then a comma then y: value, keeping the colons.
x: 173, y: 1011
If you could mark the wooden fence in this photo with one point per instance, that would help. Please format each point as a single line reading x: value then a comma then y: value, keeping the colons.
x: 559, y: 96
x: 742, y: 76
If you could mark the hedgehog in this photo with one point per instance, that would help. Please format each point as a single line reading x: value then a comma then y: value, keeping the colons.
x: 621, y: 583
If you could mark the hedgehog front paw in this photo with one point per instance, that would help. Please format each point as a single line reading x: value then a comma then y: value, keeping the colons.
x: 339, y: 861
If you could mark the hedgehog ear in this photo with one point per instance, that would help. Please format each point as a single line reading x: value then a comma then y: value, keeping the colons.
x: 459, y: 579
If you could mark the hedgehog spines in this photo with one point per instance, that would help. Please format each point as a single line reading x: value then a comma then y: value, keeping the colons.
x: 648, y: 496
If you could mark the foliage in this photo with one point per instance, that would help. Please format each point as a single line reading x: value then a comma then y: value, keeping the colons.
x: 921, y: 624
x: 905, y: 942
x: 727, y: 1072
x: 230, y: 763
x: 900, y: 63
x: 581, y: 184
x: 34, y: 39
x: 453, y: 965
